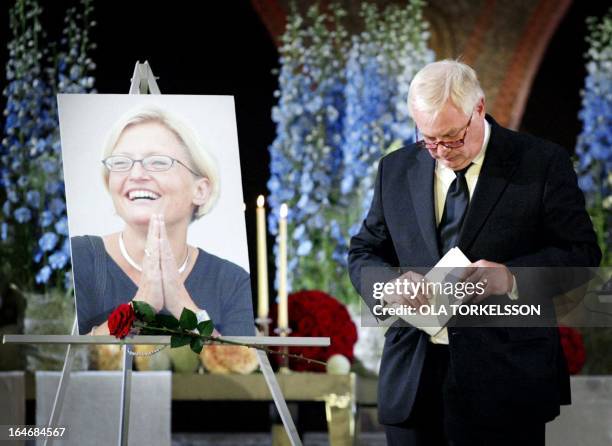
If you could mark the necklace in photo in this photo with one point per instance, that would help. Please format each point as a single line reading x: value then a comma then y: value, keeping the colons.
x: 136, y: 266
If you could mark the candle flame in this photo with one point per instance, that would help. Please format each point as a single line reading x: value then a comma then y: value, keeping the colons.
x: 260, y: 201
x: 284, y: 210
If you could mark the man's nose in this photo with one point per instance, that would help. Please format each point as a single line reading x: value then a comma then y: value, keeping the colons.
x: 443, y: 150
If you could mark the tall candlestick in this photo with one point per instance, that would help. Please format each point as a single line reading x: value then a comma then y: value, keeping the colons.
x: 283, y: 307
x: 262, y: 261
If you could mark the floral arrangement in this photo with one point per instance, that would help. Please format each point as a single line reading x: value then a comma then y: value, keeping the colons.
x: 139, y: 318
x: 573, y: 348
x: 341, y: 106
x: 594, y: 166
x: 306, y: 156
x: 315, y: 313
x: 594, y: 146
x: 33, y: 228
x: 381, y: 62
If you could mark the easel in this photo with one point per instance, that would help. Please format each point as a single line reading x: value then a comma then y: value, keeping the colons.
x: 143, y: 82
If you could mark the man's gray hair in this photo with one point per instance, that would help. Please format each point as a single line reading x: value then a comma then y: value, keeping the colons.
x: 437, y: 82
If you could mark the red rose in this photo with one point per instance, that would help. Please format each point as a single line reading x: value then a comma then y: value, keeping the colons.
x: 120, y: 321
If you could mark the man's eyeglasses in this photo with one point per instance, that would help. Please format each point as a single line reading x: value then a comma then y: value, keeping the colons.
x: 426, y: 143
x: 153, y: 163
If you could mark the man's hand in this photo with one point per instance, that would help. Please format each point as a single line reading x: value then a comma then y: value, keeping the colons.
x: 495, y: 277
x: 408, y: 298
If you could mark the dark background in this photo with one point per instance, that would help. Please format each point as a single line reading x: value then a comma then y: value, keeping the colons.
x: 222, y: 47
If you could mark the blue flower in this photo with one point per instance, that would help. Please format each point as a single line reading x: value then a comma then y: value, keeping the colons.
x: 48, y: 241
x: 3, y: 231
x: 66, y: 247
x: 68, y: 282
x: 38, y: 255
x: 49, y: 166
x: 40, y: 145
x: 46, y: 218
x: 52, y: 187
x: 58, y: 260
x: 61, y: 227
x: 43, y: 275
x: 22, y: 214
x: 33, y: 198
x: 586, y: 183
x: 22, y: 182
x: 304, y: 248
x: 6, y: 208
x: 57, y: 206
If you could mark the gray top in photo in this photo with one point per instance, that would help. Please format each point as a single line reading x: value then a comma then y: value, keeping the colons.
x: 218, y: 286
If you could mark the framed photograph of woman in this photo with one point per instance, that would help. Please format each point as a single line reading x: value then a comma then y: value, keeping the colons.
x: 155, y: 207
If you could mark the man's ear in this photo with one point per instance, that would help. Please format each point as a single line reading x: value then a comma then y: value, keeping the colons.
x: 480, y: 107
x: 201, y: 191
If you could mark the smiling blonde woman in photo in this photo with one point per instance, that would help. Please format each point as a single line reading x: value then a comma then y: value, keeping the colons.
x: 160, y: 178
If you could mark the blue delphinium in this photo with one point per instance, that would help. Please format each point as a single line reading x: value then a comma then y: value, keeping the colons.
x: 306, y: 155
x: 34, y: 229
x: 382, y: 61
x: 594, y: 145
x: 342, y: 105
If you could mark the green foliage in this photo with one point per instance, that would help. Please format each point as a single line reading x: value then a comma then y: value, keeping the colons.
x: 188, y: 320
x: 206, y: 328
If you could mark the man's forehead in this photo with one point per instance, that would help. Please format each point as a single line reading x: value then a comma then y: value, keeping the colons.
x: 440, y: 125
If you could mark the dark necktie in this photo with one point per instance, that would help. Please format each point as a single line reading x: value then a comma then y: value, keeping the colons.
x: 455, y: 207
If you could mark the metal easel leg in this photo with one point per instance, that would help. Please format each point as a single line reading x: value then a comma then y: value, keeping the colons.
x: 56, y: 409
x: 126, y: 387
x: 279, y: 399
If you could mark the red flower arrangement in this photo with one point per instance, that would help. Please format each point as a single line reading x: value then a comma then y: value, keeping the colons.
x: 573, y: 348
x: 315, y: 313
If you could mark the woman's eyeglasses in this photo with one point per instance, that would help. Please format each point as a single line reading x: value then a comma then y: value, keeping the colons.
x: 432, y: 145
x: 153, y: 163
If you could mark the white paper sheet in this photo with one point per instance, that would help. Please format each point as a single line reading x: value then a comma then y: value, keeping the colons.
x: 431, y: 324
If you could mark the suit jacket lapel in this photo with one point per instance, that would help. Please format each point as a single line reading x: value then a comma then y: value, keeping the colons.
x: 420, y: 178
x: 498, y: 167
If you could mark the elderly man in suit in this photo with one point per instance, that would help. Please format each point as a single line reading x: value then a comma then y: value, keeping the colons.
x: 507, y: 200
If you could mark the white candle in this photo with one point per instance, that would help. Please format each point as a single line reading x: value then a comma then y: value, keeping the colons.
x: 262, y: 260
x: 283, y: 307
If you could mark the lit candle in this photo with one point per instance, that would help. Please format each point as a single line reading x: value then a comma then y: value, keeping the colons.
x: 262, y: 260
x: 283, y: 308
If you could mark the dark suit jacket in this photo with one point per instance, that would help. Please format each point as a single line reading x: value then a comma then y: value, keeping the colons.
x: 526, y: 210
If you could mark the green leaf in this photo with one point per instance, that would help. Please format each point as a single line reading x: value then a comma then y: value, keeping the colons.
x: 144, y: 311
x: 167, y: 321
x: 188, y: 319
x: 179, y: 340
x: 206, y: 328
x: 196, y: 345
